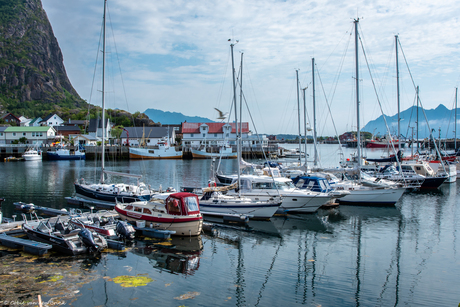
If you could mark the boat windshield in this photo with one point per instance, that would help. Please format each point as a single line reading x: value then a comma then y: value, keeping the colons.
x: 285, y: 185
x: 191, y: 203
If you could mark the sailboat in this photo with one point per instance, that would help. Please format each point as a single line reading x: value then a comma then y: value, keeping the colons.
x: 213, y: 202
x: 103, y: 191
x: 359, y: 193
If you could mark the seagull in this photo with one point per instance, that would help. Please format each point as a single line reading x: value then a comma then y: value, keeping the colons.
x: 222, y: 115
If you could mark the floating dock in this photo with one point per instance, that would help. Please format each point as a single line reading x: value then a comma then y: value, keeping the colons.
x: 29, y: 246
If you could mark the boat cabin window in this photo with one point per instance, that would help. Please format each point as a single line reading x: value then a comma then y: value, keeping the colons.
x: 191, y: 203
x: 137, y: 209
x: 174, y: 206
x: 147, y: 211
x: 285, y: 185
x: 262, y: 185
x: 300, y: 183
x: 129, y: 207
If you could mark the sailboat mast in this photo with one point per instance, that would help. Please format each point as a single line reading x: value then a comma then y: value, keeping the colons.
x: 397, y: 92
x: 305, y: 126
x: 241, y: 104
x: 103, y: 91
x: 315, y: 161
x: 455, y: 125
x: 417, y: 119
x: 298, y: 114
x: 357, y: 93
x: 236, y: 121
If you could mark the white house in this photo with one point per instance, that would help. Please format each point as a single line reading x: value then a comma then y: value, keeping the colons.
x: 51, y: 120
x: 34, y: 135
x: 95, y: 128
x: 85, y: 139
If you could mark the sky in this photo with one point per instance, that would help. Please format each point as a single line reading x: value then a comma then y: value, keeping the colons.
x: 175, y: 56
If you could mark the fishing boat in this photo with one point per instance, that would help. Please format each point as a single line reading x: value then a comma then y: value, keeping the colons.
x: 161, y: 151
x: 103, y: 191
x: 32, y: 154
x: 225, y: 152
x: 64, y: 153
x: 64, y: 237
x: 179, y: 212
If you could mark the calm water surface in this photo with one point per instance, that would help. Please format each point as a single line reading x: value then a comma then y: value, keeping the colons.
x: 350, y: 256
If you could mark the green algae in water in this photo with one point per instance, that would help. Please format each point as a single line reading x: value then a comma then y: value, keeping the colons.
x: 132, y: 281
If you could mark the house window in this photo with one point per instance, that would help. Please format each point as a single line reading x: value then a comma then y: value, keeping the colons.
x: 1, y: 133
x: 191, y: 135
x: 33, y: 134
x: 227, y: 135
x: 41, y: 133
x: 215, y: 135
x: 24, y: 134
x: 204, y: 135
x: 14, y: 133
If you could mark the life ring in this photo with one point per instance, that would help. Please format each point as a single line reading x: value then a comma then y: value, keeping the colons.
x: 213, y: 184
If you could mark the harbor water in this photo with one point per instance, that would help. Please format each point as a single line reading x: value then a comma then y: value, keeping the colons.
x: 407, y: 255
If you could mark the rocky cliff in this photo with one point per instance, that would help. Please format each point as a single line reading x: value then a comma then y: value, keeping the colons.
x: 31, y: 62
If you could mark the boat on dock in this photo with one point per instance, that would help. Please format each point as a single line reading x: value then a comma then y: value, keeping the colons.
x: 64, y: 153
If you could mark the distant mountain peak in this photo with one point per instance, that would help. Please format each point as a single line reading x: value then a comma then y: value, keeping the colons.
x: 439, y: 118
x: 173, y: 118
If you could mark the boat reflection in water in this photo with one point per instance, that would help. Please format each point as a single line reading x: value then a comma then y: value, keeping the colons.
x: 178, y: 255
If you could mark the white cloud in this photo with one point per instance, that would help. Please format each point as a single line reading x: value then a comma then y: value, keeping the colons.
x: 175, y: 54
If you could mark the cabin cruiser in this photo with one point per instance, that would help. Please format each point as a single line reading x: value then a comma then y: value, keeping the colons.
x: 177, y: 212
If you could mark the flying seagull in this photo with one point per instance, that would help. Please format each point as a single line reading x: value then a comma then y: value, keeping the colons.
x: 222, y: 115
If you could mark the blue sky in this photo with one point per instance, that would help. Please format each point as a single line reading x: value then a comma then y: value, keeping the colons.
x: 175, y: 56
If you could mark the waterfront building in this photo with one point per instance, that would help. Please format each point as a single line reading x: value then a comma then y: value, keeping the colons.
x: 195, y: 135
x: 34, y: 135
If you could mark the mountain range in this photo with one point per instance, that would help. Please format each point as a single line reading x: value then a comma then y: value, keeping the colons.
x: 174, y: 118
x: 440, y: 118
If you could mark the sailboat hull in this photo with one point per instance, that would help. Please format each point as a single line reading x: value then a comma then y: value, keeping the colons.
x: 85, y: 192
x: 372, y: 197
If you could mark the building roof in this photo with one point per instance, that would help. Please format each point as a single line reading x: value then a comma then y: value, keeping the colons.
x: 148, y: 132
x: 67, y: 128
x: 28, y: 129
x: 213, y: 127
x: 36, y: 119
x: 95, y: 124
x: 3, y: 129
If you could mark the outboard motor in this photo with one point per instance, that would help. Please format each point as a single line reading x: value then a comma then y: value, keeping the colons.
x: 125, y: 230
x: 88, y: 239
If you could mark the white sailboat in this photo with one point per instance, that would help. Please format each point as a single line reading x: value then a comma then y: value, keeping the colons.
x: 110, y: 192
x: 214, y: 203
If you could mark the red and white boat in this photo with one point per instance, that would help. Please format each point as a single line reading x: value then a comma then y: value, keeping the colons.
x: 179, y: 212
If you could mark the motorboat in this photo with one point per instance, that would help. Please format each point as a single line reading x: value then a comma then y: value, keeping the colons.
x: 106, y: 226
x: 179, y: 212
x: 32, y: 154
x: 294, y: 200
x: 63, y: 236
